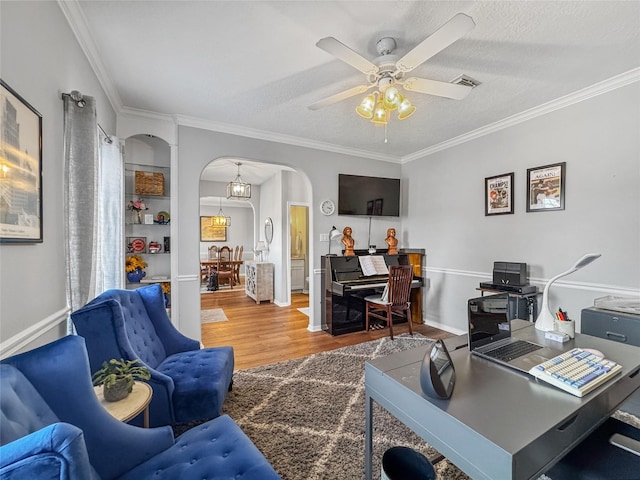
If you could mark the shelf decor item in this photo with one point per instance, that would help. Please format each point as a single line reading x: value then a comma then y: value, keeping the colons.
x: 134, y: 266
x: 136, y: 207
x: 118, y: 376
x: 149, y: 183
x: 20, y: 170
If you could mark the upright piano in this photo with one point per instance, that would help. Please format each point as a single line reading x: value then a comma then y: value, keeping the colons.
x: 345, y: 287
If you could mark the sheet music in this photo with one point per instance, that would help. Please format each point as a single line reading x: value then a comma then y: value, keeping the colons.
x: 373, y: 265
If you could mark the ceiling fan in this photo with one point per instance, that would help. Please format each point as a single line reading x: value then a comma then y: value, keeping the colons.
x: 388, y: 71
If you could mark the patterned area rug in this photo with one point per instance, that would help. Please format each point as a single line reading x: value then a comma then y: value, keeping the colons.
x: 212, y: 315
x: 307, y: 415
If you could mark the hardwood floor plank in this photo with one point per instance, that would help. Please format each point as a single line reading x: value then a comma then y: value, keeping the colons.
x: 266, y: 333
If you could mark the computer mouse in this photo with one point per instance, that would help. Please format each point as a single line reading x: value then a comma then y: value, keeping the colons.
x: 595, y: 352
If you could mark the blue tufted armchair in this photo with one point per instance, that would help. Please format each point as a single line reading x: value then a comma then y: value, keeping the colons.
x: 189, y: 383
x: 53, y: 426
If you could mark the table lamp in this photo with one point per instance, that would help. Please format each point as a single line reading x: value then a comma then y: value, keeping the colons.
x: 546, y: 318
x: 333, y: 234
x: 261, y: 247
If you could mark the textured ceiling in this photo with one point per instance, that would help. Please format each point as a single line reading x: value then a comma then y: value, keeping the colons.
x: 253, y: 67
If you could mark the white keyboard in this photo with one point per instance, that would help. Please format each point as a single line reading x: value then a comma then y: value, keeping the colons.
x: 576, y: 371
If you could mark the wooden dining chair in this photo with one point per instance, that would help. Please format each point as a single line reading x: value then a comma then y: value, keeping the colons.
x: 238, y: 262
x: 394, y: 300
x: 225, y: 266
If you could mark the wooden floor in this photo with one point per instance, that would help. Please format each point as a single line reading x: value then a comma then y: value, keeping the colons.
x: 265, y: 333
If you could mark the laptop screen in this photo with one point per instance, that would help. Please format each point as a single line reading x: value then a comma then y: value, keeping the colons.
x: 488, y: 319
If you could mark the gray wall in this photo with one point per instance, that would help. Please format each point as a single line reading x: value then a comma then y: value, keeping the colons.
x: 599, y: 139
x: 40, y: 60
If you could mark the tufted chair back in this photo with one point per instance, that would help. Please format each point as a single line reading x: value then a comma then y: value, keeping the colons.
x: 188, y: 383
x: 22, y: 409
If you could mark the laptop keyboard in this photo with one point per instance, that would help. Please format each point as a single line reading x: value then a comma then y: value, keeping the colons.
x: 513, y: 350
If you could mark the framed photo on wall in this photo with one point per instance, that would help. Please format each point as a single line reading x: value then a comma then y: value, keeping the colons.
x: 210, y: 233
x: 545, y: 187
x: 20, y: 169
x: 498, y: 194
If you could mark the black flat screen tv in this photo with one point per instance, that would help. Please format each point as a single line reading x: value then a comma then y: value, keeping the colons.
x: 369, y: 196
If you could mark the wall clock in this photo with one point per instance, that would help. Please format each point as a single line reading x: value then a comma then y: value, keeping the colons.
x: 327, y: 207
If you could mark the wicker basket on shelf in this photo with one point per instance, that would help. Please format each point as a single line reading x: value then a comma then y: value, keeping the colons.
x: 149, y: 183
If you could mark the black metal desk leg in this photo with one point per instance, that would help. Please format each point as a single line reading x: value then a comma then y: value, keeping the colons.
x: 368, y: 438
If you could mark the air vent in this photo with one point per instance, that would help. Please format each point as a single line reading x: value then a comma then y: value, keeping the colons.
x: 466, y: 81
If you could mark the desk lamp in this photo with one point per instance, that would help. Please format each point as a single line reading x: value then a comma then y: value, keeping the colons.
x: 333, y: 234
x: 546, y: 319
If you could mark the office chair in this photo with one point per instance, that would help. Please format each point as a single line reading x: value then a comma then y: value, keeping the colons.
x: 395, y: 299
x: 596, y: 458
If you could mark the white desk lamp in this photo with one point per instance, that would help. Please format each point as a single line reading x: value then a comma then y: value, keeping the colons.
x: 546, y: 319
x: 333, y: 234
x: 261, y: 248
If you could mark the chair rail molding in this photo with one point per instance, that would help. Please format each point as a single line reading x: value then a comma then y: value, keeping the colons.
x: 12, y: 345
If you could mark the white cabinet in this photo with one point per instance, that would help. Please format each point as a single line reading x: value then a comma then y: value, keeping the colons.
x: 297, y: 274
x: 258, y: 280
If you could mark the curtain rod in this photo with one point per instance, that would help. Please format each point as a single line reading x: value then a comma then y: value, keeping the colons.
x: 76, y: 96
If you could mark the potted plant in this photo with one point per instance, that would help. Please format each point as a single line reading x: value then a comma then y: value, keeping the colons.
x: 118, y: 376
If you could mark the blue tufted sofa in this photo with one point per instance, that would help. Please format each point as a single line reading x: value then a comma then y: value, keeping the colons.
x: 189, y: 383
x: 52, y: 426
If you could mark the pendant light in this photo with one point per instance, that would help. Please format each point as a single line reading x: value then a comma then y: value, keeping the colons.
x: 238, y: 189
x: 220, y: 220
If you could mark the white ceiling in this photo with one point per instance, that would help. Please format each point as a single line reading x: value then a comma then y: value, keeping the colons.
x: 252, y: 67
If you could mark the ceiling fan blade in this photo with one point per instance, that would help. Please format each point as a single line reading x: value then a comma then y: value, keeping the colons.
x: 437, y: 41
x: 348, y: 56
x: 433, y: 87
x: 338, y: 97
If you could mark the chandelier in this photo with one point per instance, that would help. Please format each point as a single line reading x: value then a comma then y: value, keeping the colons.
x: 378, y: 105
x: 238, y: 189
x: 220, y: 220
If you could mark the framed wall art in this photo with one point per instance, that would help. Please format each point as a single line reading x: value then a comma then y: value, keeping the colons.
x: 498, y: 194
x: 545, y: 187
x: 20, y: 169
x: 210, y: 233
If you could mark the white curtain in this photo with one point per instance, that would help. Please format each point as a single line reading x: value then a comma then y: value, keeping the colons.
x: 93, y: 204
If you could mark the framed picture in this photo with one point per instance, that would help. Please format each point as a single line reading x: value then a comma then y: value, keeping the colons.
x: 545, y: 187
x: 210, y: 233
x: 498, y: 194
x: 20, y: 169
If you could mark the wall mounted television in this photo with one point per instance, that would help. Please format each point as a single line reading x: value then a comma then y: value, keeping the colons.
x: 368, y: 196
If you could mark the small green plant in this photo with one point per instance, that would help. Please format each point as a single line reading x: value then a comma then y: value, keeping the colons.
x: 114, y: 370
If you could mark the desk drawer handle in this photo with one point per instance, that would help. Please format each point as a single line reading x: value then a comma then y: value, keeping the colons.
x: 568, y: 423
x: 617, y: 336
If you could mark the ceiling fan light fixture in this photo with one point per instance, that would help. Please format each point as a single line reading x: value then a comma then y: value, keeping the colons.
x: 365, y: 109
x: 405, y: 109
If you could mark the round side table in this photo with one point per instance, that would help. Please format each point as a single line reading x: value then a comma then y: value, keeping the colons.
x: 127, y: 408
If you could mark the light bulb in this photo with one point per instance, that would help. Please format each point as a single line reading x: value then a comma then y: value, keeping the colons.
x: 380, y: 114
x: 365, y: 109
x: 405, y: 109
x: 392, y: 98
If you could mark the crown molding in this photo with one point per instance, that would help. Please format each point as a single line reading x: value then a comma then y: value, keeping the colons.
x: 280, y: 138
x: 78, y: 23
x: 605, y: 86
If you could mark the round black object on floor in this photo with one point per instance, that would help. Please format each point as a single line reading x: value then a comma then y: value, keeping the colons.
x: 404, y: 463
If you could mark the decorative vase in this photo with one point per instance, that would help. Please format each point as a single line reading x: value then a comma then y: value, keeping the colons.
x: 136, y: 217
x: 135, y: 276
x: 119, y: 390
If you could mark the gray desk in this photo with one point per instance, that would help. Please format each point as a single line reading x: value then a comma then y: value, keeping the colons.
x: 499, y: 423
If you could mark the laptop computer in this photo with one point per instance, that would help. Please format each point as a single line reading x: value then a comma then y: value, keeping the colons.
x: 490, y: 335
